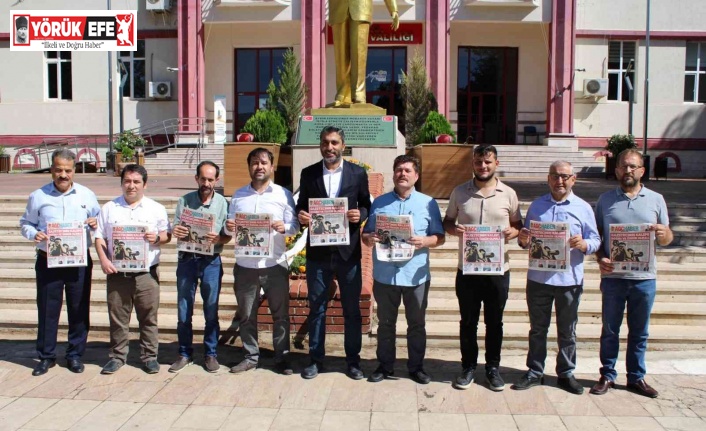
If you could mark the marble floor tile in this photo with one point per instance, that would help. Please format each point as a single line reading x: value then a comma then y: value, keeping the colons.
x: 14, y: 415
x: 309, y: 395
x: 6, y: 400
x: 138, y: 392
x: 250, y: 419
x: 269, y: 390
x: 345, y: 421
x: 389, y: 399
x: 567, y: 404
x: 108, y: 416
x: 154, y: 417
x: 63, y: 385
x: 442, y: 421
x: 203, y: 417
x: 539, y: 422
x: 18, y: 381
x: 479, y: 400
x: 484, y: 422
x: 340, y: 397
x: 62, y: 415
x: 618, y: 403
x: 297, y: 419
x: 182, y: 389
x: 587, y: 423
x: 392, y: 421
x: 530, y: 402
x: 682, y: 424
x: 635, y: 423
x: 437, y: 397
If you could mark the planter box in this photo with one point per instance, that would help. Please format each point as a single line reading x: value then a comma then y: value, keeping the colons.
x: 235, y: 164
x: 442, y: 167
x: 5, y: 164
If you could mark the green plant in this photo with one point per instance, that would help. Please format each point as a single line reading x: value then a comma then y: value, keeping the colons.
x: 618, y: 143
x: 127, y: 154
x: 435, y: 125
x: 290, y: 95
x: 127, y: 143
x: 418, y: 98
x: 298, y: 264
x: 267, y: 126
x: 3, y: 152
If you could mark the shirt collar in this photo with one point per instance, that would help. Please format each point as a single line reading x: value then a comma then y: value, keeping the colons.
x: 56, y: 191
x: 269, y: 188
x: 620, y: 192
x: 400, y: 198
x: 568, y: 199
x: 123, y: 202
x: 499, y: 186
x: 338, y: 169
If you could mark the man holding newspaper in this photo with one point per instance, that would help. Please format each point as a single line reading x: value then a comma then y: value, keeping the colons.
x: 262, y: 215
x: 401, y: 266
x: 565, y: 221
x: 631, y: 215
x: 199, y: 222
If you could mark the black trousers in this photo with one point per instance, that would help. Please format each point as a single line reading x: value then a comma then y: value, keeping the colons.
x: 492, y: 292
x: 51, y: 284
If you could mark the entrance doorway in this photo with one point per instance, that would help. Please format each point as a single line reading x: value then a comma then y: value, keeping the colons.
x: 487, y: 95
x: 384, y: 79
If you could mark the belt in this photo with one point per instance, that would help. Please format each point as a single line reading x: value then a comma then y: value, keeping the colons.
x: 135, y: 274
x: 197, y: 255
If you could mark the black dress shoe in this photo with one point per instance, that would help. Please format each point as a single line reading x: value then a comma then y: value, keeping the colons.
x: 420, y: 376
x: 569, y: 384
x: 354, y: 372
x: 43, y: 366
x: 380, y: 374
x: 312, y: 370
x: 602, y: 386
x: 75, y: 366
x: 641, y: 387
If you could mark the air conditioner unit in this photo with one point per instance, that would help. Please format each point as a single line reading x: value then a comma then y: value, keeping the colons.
x: 158, y: 5
x: 595, y: 87
x: 160, y: 90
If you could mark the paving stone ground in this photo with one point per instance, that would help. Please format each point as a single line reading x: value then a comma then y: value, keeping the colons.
x: 264, y: 400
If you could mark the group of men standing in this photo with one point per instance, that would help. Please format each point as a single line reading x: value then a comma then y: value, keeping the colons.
x: 484, y: 200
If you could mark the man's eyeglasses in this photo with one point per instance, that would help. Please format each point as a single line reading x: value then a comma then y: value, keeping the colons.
x: 565, y: 177
x: 630, y: 167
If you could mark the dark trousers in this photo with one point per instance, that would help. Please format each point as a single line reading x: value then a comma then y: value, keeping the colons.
x: 51, y: 285
x: 472, y: 291
x: 319, y: 275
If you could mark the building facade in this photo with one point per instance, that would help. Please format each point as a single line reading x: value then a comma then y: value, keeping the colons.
x: 503, y: 71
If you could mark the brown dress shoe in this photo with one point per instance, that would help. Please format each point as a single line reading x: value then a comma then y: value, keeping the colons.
x: 641, y: 387
x: 602, y: 386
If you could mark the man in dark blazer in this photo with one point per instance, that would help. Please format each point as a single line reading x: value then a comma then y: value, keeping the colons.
x: 334, y: 177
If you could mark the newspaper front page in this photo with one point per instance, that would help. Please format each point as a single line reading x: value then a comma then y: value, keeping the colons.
x: 66, y: 244
x: 199, y: 225
x: 253, y: 235
x: 329, y: 223
x: 394, y: 232
x: 130, y: 249
x: 631, y: 247
x: 483, y: 250
x: 549, y: 246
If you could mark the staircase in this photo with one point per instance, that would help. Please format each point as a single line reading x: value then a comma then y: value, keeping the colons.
x: 533, y: 161
x: 678, y: 318
x: 179, y: 161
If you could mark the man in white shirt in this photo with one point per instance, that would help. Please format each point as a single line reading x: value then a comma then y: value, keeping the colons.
x: 133, y: 289
x: 263, y: 196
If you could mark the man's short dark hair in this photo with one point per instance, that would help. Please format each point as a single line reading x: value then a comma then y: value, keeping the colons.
x: 257, y: 152
x: 484, y: 150
x: 404, y: 158
x: 333, y: 129
x: 65, y: 154
x: 207, y: 163
x: 131, y: 168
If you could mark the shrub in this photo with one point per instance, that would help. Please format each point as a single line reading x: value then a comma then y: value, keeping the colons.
x: 618, y: 143
x: 435, y: 125
x: 290, y: 95
x: 417, y: 96
x: 126, y: 144
x: 267, y: 126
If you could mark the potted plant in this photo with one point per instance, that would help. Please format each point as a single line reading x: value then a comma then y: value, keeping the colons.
x: 435, y: 125
x: 4, y: 160
x: 269, y: 131
x: 126, y: 146
x: 615, y: 145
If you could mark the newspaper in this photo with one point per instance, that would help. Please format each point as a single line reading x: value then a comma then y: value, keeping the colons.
x: 329, y: 223
x: 199, y: 225
x: 631, y: 247
x: 130, y: 249
x: 66, y: 244
x: 483, y: 250
x: 253, y: 235
x: 394, y: 232
x: 549, y: 246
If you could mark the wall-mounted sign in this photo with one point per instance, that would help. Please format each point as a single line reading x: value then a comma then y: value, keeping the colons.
x: 409, y: 33
x: 360, y: 130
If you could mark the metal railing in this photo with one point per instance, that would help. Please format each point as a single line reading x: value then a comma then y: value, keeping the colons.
x: 159, y: 136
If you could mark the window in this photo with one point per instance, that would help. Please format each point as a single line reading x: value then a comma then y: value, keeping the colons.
x: 384, y: 78
x: 695, y: 74
x: 134, y: 62
x: 58, y: 75
x: 619, y: 55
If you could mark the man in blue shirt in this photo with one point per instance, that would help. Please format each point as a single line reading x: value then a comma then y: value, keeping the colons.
x: 562, y: 288
x: 193, y: 267
x: 62, y: 200
x: 408, y: 280
x: 631, y: 202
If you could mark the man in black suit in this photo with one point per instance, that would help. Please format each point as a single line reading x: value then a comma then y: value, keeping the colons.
x: 334, y: 178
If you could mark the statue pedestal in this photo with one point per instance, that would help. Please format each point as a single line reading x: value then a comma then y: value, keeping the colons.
x: 371, y: 136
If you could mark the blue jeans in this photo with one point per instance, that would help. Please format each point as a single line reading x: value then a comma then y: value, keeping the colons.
x: 639, y: 296
x: 319, y: 275
x: 209, y: 270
